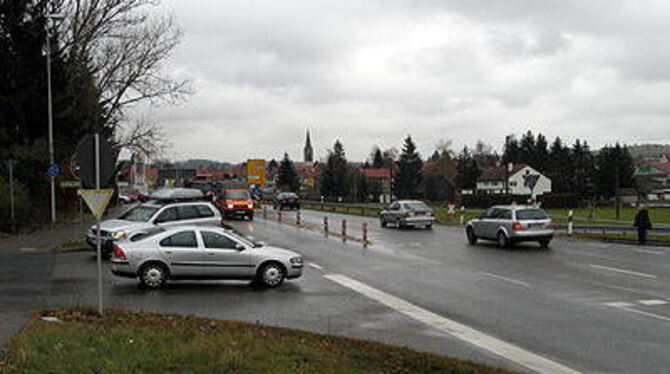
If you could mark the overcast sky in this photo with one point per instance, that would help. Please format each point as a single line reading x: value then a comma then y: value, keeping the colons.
x: 372, y: 72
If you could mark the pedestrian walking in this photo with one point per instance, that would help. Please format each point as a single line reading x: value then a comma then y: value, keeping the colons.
x: 643, y: 223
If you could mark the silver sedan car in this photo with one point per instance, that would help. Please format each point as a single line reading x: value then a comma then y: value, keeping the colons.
x: 197, y: 252
x: 407, y: 213
x: 509, y: 224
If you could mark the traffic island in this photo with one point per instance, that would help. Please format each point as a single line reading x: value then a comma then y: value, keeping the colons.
x: 75, y: 341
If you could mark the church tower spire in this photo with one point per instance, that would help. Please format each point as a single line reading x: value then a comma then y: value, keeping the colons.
x: 308, y: 152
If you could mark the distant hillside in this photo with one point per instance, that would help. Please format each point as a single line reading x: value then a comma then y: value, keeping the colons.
x: 203, y: 163
x: 648, y: 150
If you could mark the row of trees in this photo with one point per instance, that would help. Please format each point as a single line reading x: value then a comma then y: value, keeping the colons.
x: 574, y: 169
x: 106, y: 57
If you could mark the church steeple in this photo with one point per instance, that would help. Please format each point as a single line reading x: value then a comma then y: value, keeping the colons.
x: 308, y: 152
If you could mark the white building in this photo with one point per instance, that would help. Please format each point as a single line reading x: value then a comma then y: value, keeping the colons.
x: 519, y: 180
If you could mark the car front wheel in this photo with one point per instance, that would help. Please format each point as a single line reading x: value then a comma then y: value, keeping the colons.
x: 271, y: 275
x: 544, y: 244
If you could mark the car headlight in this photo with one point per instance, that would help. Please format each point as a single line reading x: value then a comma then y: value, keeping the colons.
x: 296, y: 261
x: 119, y: 235
x: 250, y: 205
x: 230, y: 206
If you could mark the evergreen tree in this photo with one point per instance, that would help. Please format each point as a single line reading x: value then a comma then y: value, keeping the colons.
x: 528, y: 150
x: 435, y: 156
x: 287, y: 178
x: 377, y: 158
x: 559, y: 167
x: 583, y: 165
x: 512, y: 151
x: 407, y: 180
x: 614, y: 170
x: 541, y: 154
x: 467, y: 171
x: 334, y: 176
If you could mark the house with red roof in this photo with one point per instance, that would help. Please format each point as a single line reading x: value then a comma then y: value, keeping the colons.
x: 521, y: 179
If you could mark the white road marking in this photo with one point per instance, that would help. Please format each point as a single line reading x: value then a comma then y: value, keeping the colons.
x: 624, y: 271
x: 510, y: 280
x: 652, y: 302
x: 496, y: 346
x: 315, y: 266
x: 628, y: 308
x: 648, y: 251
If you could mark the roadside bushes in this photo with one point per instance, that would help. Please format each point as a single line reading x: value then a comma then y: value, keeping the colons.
x: 560, y: 200
x: 22, y: 205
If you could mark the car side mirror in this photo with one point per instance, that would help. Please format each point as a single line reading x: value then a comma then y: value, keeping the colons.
x: 240, y: 247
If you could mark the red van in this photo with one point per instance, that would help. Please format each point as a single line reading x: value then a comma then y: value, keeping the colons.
x: 236, y: 203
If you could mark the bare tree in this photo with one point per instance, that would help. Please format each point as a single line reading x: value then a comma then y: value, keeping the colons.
x: 124, y: 44
x: 143, y: 137
x: 443, y: 147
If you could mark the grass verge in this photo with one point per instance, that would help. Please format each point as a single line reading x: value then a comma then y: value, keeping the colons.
x: 72, y: 245
x: 129, y: 342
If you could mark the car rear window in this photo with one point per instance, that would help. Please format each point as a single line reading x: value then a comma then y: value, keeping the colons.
x: 287, y: 195
x: 416, y: 206
x: 139, y: 213
x: 530, y: 214
x: 239, y: 195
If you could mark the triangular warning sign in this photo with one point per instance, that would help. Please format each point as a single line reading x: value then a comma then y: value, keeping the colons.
x: 96, y: 200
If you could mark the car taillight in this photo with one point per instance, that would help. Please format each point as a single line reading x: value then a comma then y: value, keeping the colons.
x: 118, y: 253
x: 517, y: 226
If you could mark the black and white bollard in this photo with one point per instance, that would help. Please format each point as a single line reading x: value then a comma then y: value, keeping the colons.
x: 325, y: 225
x: 570, y: 223
x: 279, y: 216
x: 297, y: 218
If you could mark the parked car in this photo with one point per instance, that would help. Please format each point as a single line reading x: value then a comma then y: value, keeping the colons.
x: 407, y: 213
x: 151, y: 214
x: 287, y: 200
x: 196, y: 252
x: 509, y: 224
x: 236, y: 203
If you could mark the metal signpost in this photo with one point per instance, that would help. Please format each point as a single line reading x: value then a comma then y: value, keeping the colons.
x: 96, y: 161
x: 10, y: 166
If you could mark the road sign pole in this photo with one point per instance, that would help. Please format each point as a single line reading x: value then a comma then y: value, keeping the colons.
x: 97, y: 221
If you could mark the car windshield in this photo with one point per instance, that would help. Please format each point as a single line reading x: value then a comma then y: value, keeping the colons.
x: 239, y: 195
x: 140, y: 213
x: 417, y: 206
x: 530, y: 214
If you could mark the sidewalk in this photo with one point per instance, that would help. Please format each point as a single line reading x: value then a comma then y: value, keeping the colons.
x: 26, y: 271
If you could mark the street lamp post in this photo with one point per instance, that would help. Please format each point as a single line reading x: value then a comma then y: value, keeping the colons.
x: 50, y: 114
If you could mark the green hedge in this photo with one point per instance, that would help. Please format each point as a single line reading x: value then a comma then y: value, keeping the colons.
x: 560, y: 200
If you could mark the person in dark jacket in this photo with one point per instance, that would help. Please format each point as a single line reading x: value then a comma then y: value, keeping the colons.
x: 643, y: 223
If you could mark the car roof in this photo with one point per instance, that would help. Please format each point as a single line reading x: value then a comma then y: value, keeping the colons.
x: 409, y: 201
x: 515, y: 207
x: 164, y: 203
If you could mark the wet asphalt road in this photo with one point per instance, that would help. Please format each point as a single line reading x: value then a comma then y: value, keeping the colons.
x: 595, y: 307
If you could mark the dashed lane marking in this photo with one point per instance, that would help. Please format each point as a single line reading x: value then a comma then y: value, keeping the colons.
x: 460, y: 331
x: 624, y: 271
x: 315, y: 266
x: 628, y: 307
x: 510, y: 280
x: 652, y: 302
